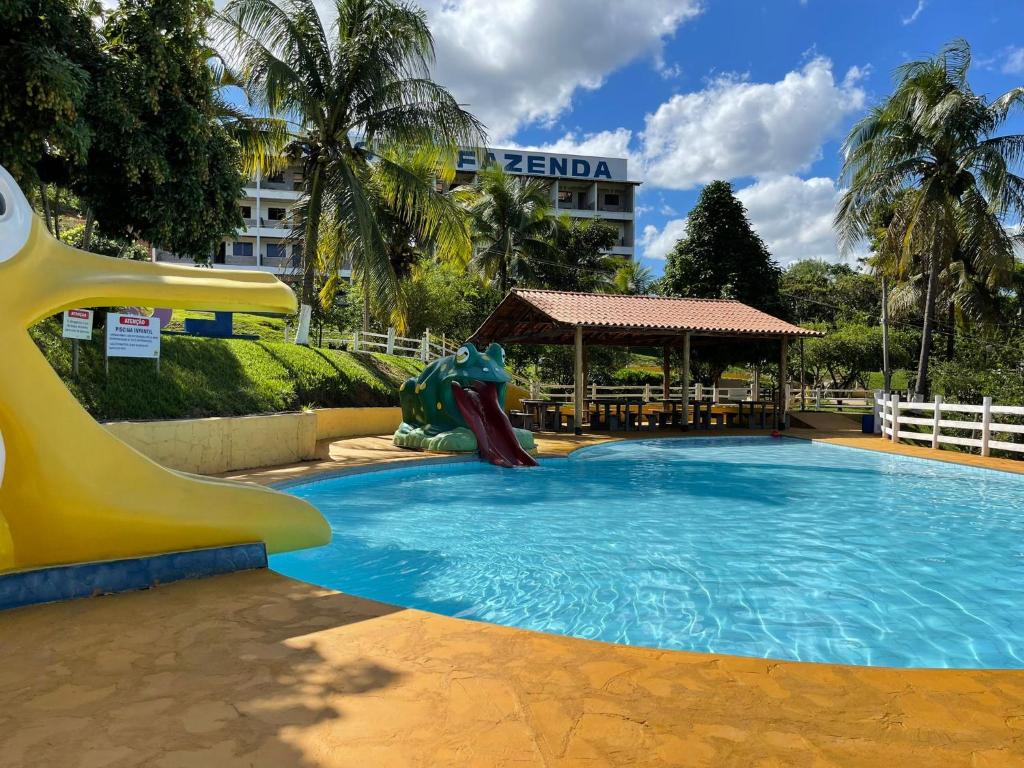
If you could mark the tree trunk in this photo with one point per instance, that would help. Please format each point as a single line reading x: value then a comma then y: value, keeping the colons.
x: 45, y: 203
x: 503, y: 276
x: 366, y: 305
x: 309, y: 248
x: 90, y: 222
x: 927, y: 327
x: 886, y: 371
x: 55, y: 212
x: 951, y: 334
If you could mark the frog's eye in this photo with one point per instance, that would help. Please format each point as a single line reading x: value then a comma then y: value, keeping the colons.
x: 462, y: 355
x: 15, y: 217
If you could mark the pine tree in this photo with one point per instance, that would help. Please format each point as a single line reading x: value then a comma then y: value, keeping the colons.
x: 721, y: 256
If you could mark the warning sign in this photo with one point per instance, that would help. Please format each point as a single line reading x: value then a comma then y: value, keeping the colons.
x: 133, y: 336
x: 78, y: 324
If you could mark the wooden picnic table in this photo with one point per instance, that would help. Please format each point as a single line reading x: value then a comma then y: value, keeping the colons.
x: 751, y: 405
x: 677, y: 409
x: 619, y: 403
x: 542, y: 409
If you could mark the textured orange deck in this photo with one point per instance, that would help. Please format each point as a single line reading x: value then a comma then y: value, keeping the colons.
x: 255, y: 669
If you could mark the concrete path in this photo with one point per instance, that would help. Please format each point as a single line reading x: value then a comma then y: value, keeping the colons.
x: 255, y: 669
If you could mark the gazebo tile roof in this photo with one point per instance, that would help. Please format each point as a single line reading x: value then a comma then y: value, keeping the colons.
x: 602, y: 310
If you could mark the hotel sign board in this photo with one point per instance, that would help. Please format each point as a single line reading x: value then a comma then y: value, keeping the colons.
x: 78, y: 324
x: 133, y: 336
x: 529, y: 163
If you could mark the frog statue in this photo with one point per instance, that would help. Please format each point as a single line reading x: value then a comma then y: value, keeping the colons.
x: 457, y: 405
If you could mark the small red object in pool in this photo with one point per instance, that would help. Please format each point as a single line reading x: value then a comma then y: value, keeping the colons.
x: 776, y: 433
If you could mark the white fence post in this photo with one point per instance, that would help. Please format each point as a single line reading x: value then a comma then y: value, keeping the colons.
x: 593, y: 390
x: 647, y: 393
x: 817, y: 399
x: 534, y: 389
x: 986, y: 424
x: 391, y: 341
x: 878, y: 410
x: 355, y: 341
x: 426, y: 345
x: 698, y: 392
x: 895, y: 418
x: 936, y: 427
x: 714, y: 393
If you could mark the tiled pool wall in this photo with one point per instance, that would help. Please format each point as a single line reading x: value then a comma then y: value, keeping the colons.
x: 66, y: 582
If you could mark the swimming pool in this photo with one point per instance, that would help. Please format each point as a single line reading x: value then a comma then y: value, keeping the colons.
x: 751, y: 546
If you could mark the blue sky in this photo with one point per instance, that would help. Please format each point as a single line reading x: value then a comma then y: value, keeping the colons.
x: 757, y: 93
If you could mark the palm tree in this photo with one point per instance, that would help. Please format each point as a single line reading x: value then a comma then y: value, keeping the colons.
x: 633, y: 278
x: 931, y: 153
x: 351, y: 93
x: 432, y: 224
x: 510, y: 221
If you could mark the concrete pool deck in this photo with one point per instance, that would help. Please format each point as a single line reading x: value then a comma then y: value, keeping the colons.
x: 254, y: 669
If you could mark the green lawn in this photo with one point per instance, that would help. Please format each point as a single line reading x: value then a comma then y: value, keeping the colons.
x: 224, y: 377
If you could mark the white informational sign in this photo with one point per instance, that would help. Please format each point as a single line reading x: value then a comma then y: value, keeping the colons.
x: 133, y: 336
x: 78, y: 324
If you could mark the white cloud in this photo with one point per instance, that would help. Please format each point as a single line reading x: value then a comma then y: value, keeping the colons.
x: 794, y: 216
x: 917, y: 12
x: 668, y: 210
x: 614, y: 143
x: 656, y: 243
x: 1014, y: 64
x: 735, y: 128
x: 521, y: 62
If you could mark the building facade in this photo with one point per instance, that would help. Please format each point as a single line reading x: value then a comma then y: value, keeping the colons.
x: 267, y: 206
x: 582, y: 188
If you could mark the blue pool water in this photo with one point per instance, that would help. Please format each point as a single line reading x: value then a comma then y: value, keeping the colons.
x: 751, y: 546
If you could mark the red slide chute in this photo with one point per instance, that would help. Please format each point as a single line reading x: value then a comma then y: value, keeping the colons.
x: 494, y: 434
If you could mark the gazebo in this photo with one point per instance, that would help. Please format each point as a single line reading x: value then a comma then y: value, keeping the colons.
x: 528, y: 316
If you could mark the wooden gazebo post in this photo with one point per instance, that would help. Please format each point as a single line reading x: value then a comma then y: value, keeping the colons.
x: 780, y: 409
x: 577, y: 422
x: 686, y: 385
x: 666, y: 373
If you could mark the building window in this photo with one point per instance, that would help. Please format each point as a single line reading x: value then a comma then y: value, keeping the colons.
x: 565, y: 195
x: 611, y: 199
x: 246, y: 211
x: 275, y: 250
x: 276, y: 178
x: 276, y: 214
x: 243, y: 250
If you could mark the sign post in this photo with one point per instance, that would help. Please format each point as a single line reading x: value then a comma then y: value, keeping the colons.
x: 133, y: 336
x: 77, y: 326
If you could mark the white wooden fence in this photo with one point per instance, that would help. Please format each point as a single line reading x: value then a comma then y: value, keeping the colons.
x: 424, y: 347
x: 646, y: 392
x: 853, y: 400
x: 936, y: 418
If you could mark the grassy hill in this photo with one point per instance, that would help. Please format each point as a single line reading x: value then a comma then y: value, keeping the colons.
x: 224, y: 377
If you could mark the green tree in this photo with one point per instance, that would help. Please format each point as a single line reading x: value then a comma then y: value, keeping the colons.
x: 579, y: 260
x: 48, y: 51
x: 511, y: 224
x: 433, y: 225
x: 448, y: 300
x: 931, y: 153
x: 632, y: 278
x: 817, y: 291
x: 161, y: 167
x: 367, y: 76
x: 721, y: 256
x: 852, y: 350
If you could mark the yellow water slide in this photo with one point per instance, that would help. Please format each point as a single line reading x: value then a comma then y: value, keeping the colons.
x: 70, y: 491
